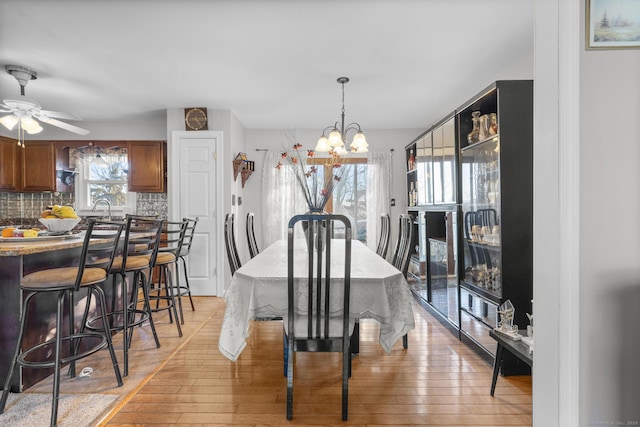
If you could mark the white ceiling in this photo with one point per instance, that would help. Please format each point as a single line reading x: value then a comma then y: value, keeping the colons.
x: 274, y: 63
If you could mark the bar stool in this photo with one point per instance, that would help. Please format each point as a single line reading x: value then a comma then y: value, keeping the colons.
x: 184, y: 253
x: 139, y: 251
x: 166, y: 263
x: 66, y: 284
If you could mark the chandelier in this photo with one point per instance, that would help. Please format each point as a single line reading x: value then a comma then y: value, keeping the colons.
x: 337, y: 136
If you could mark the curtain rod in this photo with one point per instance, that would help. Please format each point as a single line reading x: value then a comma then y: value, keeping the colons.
x: 267, y: 149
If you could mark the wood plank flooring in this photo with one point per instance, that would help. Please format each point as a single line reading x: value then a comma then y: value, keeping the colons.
x: 438, y: 381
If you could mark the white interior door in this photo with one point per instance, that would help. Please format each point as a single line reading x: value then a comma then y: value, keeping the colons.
x: 197, y: 192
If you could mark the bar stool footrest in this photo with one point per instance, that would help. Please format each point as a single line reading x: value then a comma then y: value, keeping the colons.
x: 22, y: 358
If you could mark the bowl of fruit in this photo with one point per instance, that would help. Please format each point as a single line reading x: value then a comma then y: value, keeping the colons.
x: 59, y: 219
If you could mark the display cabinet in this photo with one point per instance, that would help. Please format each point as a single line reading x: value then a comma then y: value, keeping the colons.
x: 495, y: 136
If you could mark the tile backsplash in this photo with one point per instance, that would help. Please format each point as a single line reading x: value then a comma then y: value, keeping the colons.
x: 30, y: 205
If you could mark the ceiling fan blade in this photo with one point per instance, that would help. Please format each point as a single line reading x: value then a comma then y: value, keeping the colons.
x: 63, y: 125
x: 58, y: 115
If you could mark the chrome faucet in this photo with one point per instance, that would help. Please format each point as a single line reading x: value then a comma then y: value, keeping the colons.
x: 95, y: 204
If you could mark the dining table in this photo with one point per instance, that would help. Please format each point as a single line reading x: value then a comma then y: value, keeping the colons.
x: 259, y: 290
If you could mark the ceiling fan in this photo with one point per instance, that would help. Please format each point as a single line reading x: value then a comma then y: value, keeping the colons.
x: 26, y: 113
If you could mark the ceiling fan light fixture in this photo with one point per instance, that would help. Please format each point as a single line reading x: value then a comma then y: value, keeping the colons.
x: 21, y: 74
x: 9, y: 121
x: 30, y: 125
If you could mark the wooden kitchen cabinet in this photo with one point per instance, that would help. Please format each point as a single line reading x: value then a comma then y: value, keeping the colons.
x: 38, y: 166
x: 10, y: 179
x: 147, y: 165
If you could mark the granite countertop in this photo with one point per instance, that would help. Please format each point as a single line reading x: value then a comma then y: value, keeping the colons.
x: 26, y: 246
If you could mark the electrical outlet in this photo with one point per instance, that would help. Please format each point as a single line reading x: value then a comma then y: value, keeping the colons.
x: 393, y: 202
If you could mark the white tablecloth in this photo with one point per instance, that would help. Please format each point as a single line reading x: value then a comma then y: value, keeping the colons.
x: 259, y: 290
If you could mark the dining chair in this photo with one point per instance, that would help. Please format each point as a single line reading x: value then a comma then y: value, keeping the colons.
x: 166, y: 262
x: 402, y: 252
x: 230, y: 244
x: 313, y: 323
x: 385, y: 233
x: 130, y: 273
x: 68, y: 285
x: 185, y: 289
x: 251, y: 236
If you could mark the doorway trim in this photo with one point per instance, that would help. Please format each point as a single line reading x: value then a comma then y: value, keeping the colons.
x: 173, y: 189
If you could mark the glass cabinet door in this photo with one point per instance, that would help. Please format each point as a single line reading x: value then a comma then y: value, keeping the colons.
x: 444, y: 169
x: 425, y: 180
x: 481, y: 216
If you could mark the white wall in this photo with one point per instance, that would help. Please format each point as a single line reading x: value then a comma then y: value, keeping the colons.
x: 609, y: 236
x: 148, y: 128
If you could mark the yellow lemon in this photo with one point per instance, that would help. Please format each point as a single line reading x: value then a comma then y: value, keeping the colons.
x: 30, y: 233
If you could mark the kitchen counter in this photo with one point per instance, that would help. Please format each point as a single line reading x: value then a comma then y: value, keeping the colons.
x: 17, y: 259
x: 25, y: 246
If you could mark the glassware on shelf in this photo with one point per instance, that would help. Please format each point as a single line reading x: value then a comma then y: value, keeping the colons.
x: 411, y: 163
x: 474, y: 135
x: 484, y: 127
x: 493, y: 124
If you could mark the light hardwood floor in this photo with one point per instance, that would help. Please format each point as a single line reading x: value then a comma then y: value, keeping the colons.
x: 438, y: 381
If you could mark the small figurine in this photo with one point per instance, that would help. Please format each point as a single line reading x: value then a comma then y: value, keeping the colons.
x: 529, y: 338
x: 506, y: 313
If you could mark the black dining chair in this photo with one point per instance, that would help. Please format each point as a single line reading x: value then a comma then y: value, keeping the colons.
x: 402, y: 252
x: 251, y: 236
x: 385, y: 234
x: 230, y: 244
x: 313, y: 323
x: 68, y: 286
x: 185, y: 289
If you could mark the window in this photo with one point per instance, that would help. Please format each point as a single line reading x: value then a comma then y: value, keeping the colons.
x: 103, y: 175
x: 349, y: 197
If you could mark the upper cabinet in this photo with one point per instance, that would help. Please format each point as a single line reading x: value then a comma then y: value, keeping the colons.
x: 424, y: 166
x: 10, y: 179
x: 147, y: 166
x: 412, y: 177
x: 431, y: 176
x: 444, y: 162
x: 38, y: 166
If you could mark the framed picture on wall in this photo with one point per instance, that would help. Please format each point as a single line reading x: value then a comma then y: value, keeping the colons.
x: 612, y: 24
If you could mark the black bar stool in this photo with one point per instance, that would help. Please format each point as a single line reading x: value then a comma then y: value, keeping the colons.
x: 187, y: 241
x: 139, y: 250
x: 166, y: 264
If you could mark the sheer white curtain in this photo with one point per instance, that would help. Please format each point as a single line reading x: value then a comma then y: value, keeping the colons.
x: 379, y: 177
x: 282, y: 198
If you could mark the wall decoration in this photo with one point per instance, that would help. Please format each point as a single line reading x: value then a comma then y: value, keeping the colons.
x: 612, y: 24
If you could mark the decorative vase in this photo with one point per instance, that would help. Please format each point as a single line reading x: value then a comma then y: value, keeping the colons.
x: 474, y: 135
x: 318, y: 233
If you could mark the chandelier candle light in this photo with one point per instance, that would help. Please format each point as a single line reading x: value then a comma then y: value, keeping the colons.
x: 306, y: 163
